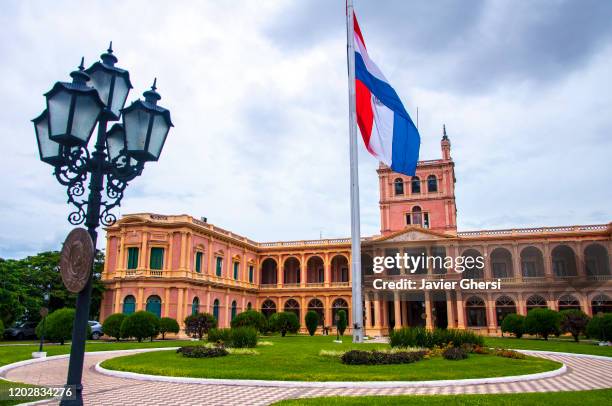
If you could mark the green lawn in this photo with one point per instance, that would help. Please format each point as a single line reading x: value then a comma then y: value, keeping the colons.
x: 297, y: 358
x: 553, y: 344
x: 582, y: 398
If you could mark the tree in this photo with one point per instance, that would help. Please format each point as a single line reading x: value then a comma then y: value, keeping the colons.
x: 312, y: 321
x: 141, y: 324
x: 574, y: 322
x: 251, y: 318
x: 342, y: 322
x: 168, y: 325
x: 514, y: 324
x: 543, y: 322
x: 58, y: 325
x: 199, y: 324
x: 112, y: 325
x: 600, y: 327
x: 284, y: 322
x: 1, y: 330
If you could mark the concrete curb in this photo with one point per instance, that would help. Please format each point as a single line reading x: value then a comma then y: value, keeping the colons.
x: 332, y: 384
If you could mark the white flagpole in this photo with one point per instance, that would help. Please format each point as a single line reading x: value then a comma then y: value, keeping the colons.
x: 355, y: 233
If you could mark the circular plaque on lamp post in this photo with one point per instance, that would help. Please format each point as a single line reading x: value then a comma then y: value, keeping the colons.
x: 76, y: 260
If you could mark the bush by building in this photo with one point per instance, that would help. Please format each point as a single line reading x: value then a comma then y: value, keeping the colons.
x: 342, y: 322
x: 513, y: 324
x: 573, y: 322
x: 140, y: 325
x: 199, y: 324
x: 200, y: 351
x: 243, y: 337
x: 58, y: 325
x: 600, y: 327
x: 542, y: 322
x: 422, y: 338
x: 168, y: 325
x: 251, y: 318
x: 359, y: 357
x: 220, y: 335
x: 284, y: 322
x: 312, y: 321
x: 112, y: 325
x: 454, y: 353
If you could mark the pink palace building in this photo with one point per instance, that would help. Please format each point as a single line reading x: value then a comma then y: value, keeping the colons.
x: 175, y: 265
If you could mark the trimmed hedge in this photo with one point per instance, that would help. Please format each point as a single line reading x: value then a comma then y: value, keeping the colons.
x: 513, y: 324
x: 251, y: 318
x: 342, y: 322
x: 200, y: 351
x: 312, y: 322
x: 359, y: 357
x: 543, y: 322
x: 600, y: 327
x: 422, y: 338
x: 112, y: 325
x: 168, y: 325
x: 574, y: 321
x: 223, y: 335
x: 140, y: 325
x: 284, y: 322
x: 58, y: 325
x: 199, y: 324
x: 244, y: 337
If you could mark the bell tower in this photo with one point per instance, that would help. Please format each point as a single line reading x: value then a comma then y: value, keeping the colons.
x: 425, y: 200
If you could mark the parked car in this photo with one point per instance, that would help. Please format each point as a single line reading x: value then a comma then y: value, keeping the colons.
x: 96, y: 329
x: 21, y: 330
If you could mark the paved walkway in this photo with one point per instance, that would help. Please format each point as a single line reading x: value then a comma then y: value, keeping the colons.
x: 582, y: 373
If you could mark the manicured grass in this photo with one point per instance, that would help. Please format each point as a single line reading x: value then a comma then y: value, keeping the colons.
x: 297, y: 358
x: 14, y: 353
x: 582, y: 398
x: 553, y: 344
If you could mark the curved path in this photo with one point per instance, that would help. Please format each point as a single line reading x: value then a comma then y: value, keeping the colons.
x: 582, y: 373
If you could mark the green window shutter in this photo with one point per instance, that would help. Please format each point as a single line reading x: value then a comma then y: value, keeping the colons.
x: 236, y: 265
x: 132, y: 262
x: 129, y: 305
x: 219, y: 266
x: 198, y: 262
x: 251, y: 273
x: 157, y: 258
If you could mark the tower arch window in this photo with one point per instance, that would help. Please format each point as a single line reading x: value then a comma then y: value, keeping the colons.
x: 415, y: 185
x: 399, y: 186
x: 432, y: 184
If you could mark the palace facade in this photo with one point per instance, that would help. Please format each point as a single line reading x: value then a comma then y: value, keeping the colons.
x: 175, y: 265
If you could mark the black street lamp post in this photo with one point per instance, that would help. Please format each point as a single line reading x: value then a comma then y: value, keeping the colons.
x: 97, y: 96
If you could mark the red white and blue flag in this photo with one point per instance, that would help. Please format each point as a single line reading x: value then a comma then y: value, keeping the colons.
x: 387, y: 130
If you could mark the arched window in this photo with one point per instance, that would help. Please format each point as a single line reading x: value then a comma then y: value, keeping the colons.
x: 568, y: 302
x: 234, y: 309
x: 472, y: 268
x: 317, y: 306
x: 399, y: 186
x: 216, y: 310
x: 417, y: 216
x: 339, y: 269
x: 532, y: 262
x: 269, y: 272
x: 195, y: 305
x: 291, y: 271
x: 315, y: 270
x: 293, y: 306
x: 129, y: 304
x: 536, y: 302
x: 432, y: 183
x: 415, y: 185
x: 563, y: 261
x: 337, y: 305
x: 501, y: 263
x: 476, y: 312
x: 367, y: 264
x: 601, y: 304
x: 596, y: 260
x: 154, y: 305
x: 268, y: 308
x: 249, y: 306
x: 503, y: 307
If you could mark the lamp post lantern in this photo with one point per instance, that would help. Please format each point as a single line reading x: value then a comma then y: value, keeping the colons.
x: 95, y: 97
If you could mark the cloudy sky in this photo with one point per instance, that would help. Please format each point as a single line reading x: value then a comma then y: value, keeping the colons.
x: 258, y: 95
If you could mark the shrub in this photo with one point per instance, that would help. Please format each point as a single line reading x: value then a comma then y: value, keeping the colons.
x: 509, y: 354
x: 1, y: 330
x: 139, y: 325
x: 422, y: 338
x: 513, y: 324
x: 342, y: 322
x: 543, y: 322
x: 251, y: 318
x: 200, y: 351
x: 600, y: 327
x: 481, y: 350
x: 220, y: 335
x: 359, y: 357
x: 168, y: 325
x: 243, y: 337
x: 312, y: 321
x: 112, y: 325
x: 574, y: 322
x: 454, y: 354
x: 58, y: 325
x: 199, y: 324
x: 284, y: 322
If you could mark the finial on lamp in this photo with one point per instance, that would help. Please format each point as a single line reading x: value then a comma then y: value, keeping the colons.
x: 108, y: 58
x: 151, y: 96
x: 80, y: 76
